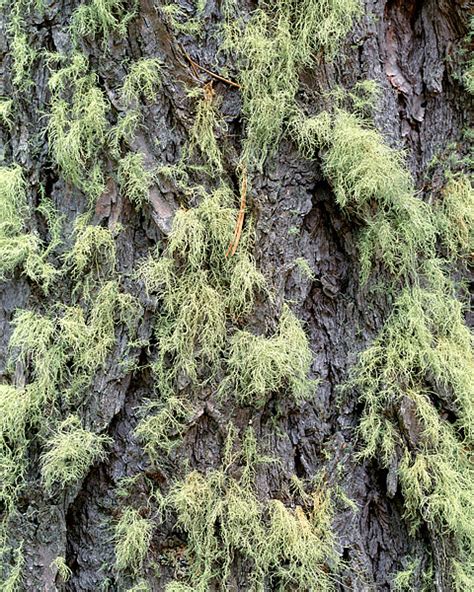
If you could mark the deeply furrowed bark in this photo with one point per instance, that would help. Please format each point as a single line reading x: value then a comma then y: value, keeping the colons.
x: 409, y: 48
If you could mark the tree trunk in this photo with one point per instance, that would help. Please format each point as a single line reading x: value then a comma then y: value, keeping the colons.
x: 306, y: 245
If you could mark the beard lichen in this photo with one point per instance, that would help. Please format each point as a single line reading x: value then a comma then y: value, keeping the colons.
x: 132, y: 537
x: 225, y: 521
x: 70, y: 453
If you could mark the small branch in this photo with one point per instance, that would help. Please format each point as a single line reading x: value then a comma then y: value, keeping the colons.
x: 195, y: 65
x: 240, y: 218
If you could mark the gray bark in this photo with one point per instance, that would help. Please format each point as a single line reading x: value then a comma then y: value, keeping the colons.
x: 406, y: 47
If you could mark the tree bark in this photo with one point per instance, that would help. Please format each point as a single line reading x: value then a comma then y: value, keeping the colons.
x: 410, y: 49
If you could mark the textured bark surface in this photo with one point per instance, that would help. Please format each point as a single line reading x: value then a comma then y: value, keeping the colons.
x: 409, y: 48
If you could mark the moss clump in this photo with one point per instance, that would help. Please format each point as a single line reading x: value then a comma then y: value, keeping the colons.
x: 13, y: 581
x: 92, y: 258
x: 132, y: 537
x: 64, y: 349
x: 63, y: 571
x: 203, y: 140
x: 124, y: 131
x: 134, y: 179
x: 101, y: 18
x: 32, y: 344
x: 13, y: 202
x: 16, y: 247
x: 273, y: 46
x: 423, y: 349
x: 365, y: 171
x: 258, y: 366
x: 224, y: 521
x: 403, y: 580
x: 424, y: 339
x: 192, y: 281
x: 468, y: 76
x: 72, y: 450
x: 78, y: 125
x: 454, y: 217
x: 162, y: 426
x: 144, y: 79
x: 6, y: 108
x: 22, y: 52
x: 304, y: 268
x: 16, y: 413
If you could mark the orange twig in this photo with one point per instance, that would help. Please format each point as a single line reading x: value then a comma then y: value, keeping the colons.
x: 195, y: 65
x: 240, y: 218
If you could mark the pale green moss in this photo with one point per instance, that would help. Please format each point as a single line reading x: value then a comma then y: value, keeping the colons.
x: 92, y: 257
x: 16, y: 413
x: 162, y: 427
x: 77, y: 129
x: 223, y: 520
x: 124, y: 131
x: 14, y: 579
x: 403, y: 580
x: 144, y: 79
x: 63, y: 571
x: 102, y: 17
x: 304, y: 268
x: 193, y: 282
x: 207, y: 121
x: 365, y: 172
x: 454, y: 217
x: 278, y: 40
x: 468, y: 76
x: 134, y: 179
x: 63, y: 350
x: 33, y: 344
x: 424, y: 344
x: 71, y: 452
x: 13, y: 201
x: 17, y: 248
x: 6, y: 108
x: 21, y: 50
x: 132, y: 537
x: 258, y: 366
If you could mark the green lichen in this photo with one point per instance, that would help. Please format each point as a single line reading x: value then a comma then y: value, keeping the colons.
x: 16, y: 414
x: 223, y: 520
x: 14, y: 579
x: 275, y: 44
x: 404, y: 579
x: 192, y: 281
x: 144, y: 79
x: 132, y: 537
x: 162, y: 427
x: 71, y: 452
x: 101, y: 18
x: 6, y: 108
x: 22, y: 52
x: 454, y: 217
x: 364, y: 171
x: 123, y: 131
x: 134, y: 179
x: 423, y: 349
x: 65, y: 348
x: 207, y: 121
x: 304, y: 268
x: 258, y: 365
x: 92, y: 257
x: 78, y: 126
x: 63, y: 571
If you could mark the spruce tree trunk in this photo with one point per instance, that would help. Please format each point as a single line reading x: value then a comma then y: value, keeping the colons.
x: 413, y: 50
